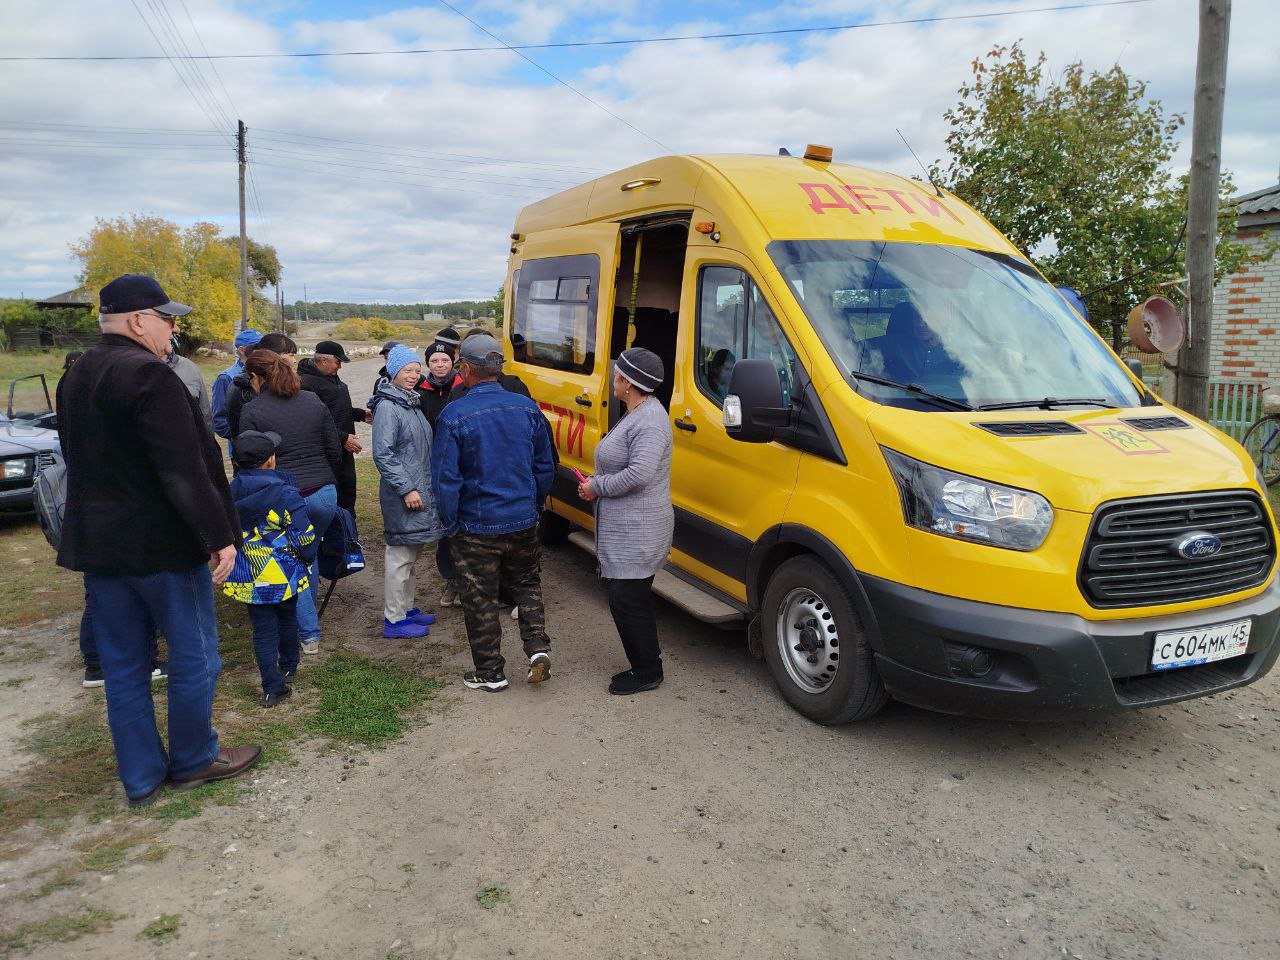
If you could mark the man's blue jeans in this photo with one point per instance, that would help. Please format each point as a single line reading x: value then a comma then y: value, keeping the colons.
x: 275, y: 641
x: 89, y: 646
x: 321, y: 506
x: 125, y: 612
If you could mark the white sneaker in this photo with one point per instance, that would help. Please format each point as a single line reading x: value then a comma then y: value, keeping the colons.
x: 449, y: 598
x: 310, y: 646
x: 515, y: 613
x: 539, y: 667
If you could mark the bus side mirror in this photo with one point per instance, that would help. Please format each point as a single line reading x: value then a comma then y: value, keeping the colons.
x: 753, y: 409
x: 1135, y: 367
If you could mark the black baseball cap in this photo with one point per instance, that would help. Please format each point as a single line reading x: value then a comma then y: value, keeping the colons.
x: 136, y: 291
x: 332, y: 348
x: 386, y: 347
x: 253, y: 447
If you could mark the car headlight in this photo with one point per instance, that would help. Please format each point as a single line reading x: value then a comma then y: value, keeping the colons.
x: 19, y: 468
x: 954, y: 505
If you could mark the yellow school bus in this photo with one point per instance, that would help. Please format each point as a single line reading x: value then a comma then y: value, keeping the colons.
x: 900, y: 458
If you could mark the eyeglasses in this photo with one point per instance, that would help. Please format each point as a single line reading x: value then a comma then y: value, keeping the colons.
x: 167, y: 319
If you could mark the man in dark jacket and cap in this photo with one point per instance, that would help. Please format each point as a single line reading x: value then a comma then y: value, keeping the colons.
x: 148, y: 513
x: 320, y: 376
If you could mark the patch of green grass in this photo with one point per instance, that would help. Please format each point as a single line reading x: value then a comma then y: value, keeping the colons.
x: 33, y: 587
x: 75, y: 772
x: 490, y: 897
x: 15, y: 682
x: 162, y: 928
x: 61, y: 928
x: 409, y: 868
x: 362, y: 701
x: 187, y: 804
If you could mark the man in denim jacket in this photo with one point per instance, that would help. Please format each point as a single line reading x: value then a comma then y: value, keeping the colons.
x: 491, y: 471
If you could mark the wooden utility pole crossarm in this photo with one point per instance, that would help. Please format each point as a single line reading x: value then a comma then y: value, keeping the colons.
x: 244, y: 237
x: 1202, y: 204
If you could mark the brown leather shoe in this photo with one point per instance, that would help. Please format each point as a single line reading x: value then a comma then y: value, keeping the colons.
x: 230, y: 762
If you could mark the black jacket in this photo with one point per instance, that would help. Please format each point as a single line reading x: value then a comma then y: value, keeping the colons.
x: 309, y: 445
x: 238, y: 394
x: 334, y: 394
x: 146, y: 488
x: 432, y: 399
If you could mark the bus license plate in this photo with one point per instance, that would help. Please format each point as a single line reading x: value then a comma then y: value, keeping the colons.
x: 1203, y: 645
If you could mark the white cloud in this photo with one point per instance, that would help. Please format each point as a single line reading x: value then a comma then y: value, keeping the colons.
x: 442, y: 231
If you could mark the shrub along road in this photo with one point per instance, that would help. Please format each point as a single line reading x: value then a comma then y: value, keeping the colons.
x: 705, y: 819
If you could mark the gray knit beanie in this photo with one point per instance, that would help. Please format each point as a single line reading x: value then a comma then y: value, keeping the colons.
x: 641, y: 367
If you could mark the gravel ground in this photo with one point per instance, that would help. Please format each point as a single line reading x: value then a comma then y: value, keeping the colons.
x: 707, y: 819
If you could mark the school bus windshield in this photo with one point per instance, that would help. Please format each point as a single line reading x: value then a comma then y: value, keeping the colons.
x: 976, y: 327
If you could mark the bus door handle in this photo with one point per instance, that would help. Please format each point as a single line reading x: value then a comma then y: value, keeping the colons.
x: 686, y: 425
x: 582, y: 401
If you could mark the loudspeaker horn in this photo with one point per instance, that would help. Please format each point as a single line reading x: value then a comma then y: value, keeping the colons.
x: 1156, y: 326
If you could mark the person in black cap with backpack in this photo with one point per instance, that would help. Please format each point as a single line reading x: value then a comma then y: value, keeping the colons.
x: 148, y: 513
x: 320, y: 376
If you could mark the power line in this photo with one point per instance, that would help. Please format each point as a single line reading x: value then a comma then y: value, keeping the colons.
x: 567, y: 44
x: 181, y: 77
x: 407, y: 183
x: 564, y: 83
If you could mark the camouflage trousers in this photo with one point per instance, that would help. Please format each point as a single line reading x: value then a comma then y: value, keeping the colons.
x: 509, y: 562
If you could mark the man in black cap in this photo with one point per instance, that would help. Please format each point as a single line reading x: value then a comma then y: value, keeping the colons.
x: 320, y: 376
x: 450, y: 339
x: 148, y: 513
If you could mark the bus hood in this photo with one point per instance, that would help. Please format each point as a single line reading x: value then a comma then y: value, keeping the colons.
x: 1075, y: 458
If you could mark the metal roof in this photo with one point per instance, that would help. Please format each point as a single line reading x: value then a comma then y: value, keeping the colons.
x: 1260, y: 201
x: 79, y: 297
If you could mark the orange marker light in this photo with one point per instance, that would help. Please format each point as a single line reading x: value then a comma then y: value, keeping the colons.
x: 817, y: 152
x: 705, y: 226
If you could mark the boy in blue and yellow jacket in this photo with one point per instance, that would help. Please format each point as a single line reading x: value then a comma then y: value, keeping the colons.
x: 271, y: 568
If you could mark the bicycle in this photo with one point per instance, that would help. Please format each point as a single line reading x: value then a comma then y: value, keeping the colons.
x: 1262, y: 440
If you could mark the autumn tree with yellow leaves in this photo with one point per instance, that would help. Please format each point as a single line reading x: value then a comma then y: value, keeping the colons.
x: 196, y: 265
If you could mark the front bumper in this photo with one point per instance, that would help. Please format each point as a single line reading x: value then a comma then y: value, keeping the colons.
x: 17, y: 498
x: 1050, y: 666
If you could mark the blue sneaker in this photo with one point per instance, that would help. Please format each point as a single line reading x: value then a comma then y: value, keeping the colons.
x: 418, y: 616
x: 405, y: 629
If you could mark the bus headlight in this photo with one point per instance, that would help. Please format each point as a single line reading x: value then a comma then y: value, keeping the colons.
x: 954, y: 505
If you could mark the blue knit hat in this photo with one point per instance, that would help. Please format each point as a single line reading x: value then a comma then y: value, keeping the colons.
x: 399, y: 357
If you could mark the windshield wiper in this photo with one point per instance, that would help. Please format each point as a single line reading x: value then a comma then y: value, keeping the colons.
x: 915, y: 388
x: 1048, y: 403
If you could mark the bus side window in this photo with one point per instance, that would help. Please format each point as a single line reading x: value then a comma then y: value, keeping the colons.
x: 766, y: 341
x: 721, y: 312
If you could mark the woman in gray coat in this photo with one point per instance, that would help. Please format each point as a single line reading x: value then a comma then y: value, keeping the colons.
x: 402, y: 453
x: 634, y: 518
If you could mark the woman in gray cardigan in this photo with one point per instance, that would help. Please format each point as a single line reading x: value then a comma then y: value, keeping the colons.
x: 402, y: 453
x: 634, y: 518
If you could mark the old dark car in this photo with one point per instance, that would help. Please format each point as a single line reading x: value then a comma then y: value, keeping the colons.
x: 28, y: 439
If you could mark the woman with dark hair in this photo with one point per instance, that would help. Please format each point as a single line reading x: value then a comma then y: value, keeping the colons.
x: 309, y: 449
x: 634, y: 517
x: 433, y: 390
x: 241, y: 391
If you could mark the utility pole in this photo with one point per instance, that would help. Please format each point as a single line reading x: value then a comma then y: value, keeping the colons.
x: 244, y: 237
x: 1202, y: 204
x: 306, y: 308
x: 279, y: 309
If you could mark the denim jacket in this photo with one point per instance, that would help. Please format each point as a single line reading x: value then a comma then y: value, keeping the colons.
x: 491, y: 462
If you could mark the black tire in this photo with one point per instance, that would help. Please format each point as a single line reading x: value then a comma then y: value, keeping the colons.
x: 1263, y: 432
x: 855, y: 691
x: 553, y: 529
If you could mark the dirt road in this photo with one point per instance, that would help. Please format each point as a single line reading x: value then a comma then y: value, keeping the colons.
x: 707, y: 819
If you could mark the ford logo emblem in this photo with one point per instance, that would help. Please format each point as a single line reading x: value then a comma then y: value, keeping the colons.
x: 1198, y: 546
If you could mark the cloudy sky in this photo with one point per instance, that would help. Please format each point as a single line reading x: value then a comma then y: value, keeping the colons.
x: 397, y: 178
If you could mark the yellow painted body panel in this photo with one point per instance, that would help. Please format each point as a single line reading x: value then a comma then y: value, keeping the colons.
x: 749, y: 488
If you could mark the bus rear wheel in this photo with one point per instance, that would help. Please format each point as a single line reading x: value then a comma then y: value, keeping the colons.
x: 815, y: 646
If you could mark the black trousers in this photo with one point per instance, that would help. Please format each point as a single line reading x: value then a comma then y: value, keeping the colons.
x: 346, y: 484
x: 631, y: 603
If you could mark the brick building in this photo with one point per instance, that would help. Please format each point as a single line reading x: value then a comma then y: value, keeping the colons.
x: 1246, y: 306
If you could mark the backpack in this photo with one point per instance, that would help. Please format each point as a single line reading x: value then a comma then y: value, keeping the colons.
x: 50, y: 498
x: 340, y: 552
